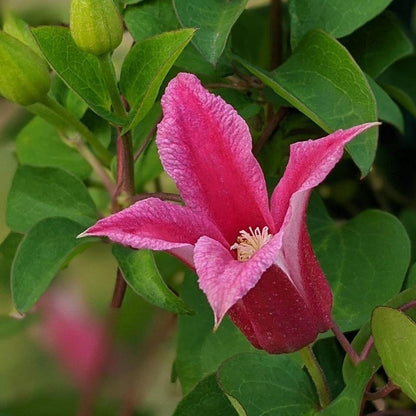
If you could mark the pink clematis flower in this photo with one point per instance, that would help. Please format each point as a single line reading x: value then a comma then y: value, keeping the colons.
x: 77, y: 340
x: 254, y: 262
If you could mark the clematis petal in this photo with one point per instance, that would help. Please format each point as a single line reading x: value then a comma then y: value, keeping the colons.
x: 274, y: 316
x: 225, y: 280
x: 205, y: 146
x: 309, y: 164
x: 156, y: 225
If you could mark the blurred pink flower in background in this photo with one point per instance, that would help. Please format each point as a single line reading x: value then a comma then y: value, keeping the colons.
x: 77, y: 339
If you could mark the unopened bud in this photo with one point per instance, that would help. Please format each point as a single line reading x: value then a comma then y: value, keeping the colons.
x: 96, y: 25
x: 24, y: 78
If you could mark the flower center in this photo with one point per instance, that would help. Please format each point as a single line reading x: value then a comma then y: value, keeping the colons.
x: 249, y: 243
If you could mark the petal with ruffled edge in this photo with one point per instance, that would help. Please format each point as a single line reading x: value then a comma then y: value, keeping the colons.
x: 205, y: 146
x: 156, y: 225
x: 309, y: 164
x: 225, y: 280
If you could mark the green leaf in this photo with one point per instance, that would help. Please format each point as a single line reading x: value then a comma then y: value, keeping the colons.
x: 79, y: 70
x: 140, y: 271
x: 7, y: 252
x: 331, y: 357
x: 200, y: 350
x: 408, y: 219
x: 398, y: 81
x: 240, y: 101
x: 322, y: 81
x: 411, y: 277
x: 214, y: 19
x: 369, y: 254
x: 145, y: 68
x: 272, y: 385
x: 395, y: 339
x: 206, y: 399
x: 41, y: 254
x: 349, y: 401
x: 387, y: 109
x: 378, y: 44
x: 38, y: 193
x: 19, y: 29
x: 364, y: 334
x: 153, y: 17
x: 68, y: 98
x: 39, y: 144
x: 337, y: 17
x: 256, y: 22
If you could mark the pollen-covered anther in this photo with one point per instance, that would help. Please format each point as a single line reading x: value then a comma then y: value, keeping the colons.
x: 248, y: 243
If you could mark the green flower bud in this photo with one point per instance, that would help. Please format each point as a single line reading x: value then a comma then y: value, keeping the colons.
x: 96, y: 25
x: 24, y: 77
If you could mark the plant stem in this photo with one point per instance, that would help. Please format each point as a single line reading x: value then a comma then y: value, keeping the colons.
x: 110, y: 79
x: 101, y: 172
x: 147, y: 140
x: 269, y: 129
x: 317, y: 375
x: 383, y: 392
x: 71, y: 121
x: 370, y: 343
x: 125, y: 185
x: 355, y: 358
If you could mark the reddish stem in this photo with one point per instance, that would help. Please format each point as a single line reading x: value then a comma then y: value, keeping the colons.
x: 383, y: 392
x: 147, y: 140
x: 270, y: 129
x: 125, y: 185
x: 355, y: 358
x: 370, y: 343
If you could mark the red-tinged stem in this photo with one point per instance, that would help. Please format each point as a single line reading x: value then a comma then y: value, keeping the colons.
x: 383, y: 392
x: 270, y: 129
x: 147, y: 140
x: 125, y: 187
x: 214, y: 85
x: 164, y: 196
x: 370, y: 343
x: 408, y: 305
x: 119, y: 290
x: 345, y: 344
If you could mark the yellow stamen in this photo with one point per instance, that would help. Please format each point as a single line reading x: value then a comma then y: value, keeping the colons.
x: 249, y: 243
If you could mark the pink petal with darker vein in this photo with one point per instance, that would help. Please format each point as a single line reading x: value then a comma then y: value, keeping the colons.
x: 205, y: 146
x: 156, y: 225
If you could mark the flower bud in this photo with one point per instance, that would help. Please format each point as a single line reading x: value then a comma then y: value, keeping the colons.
x: 24, y: 77
x: 96, y: 25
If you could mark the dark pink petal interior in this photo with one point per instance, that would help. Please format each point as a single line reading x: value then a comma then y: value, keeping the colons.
x: 281, y: 321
